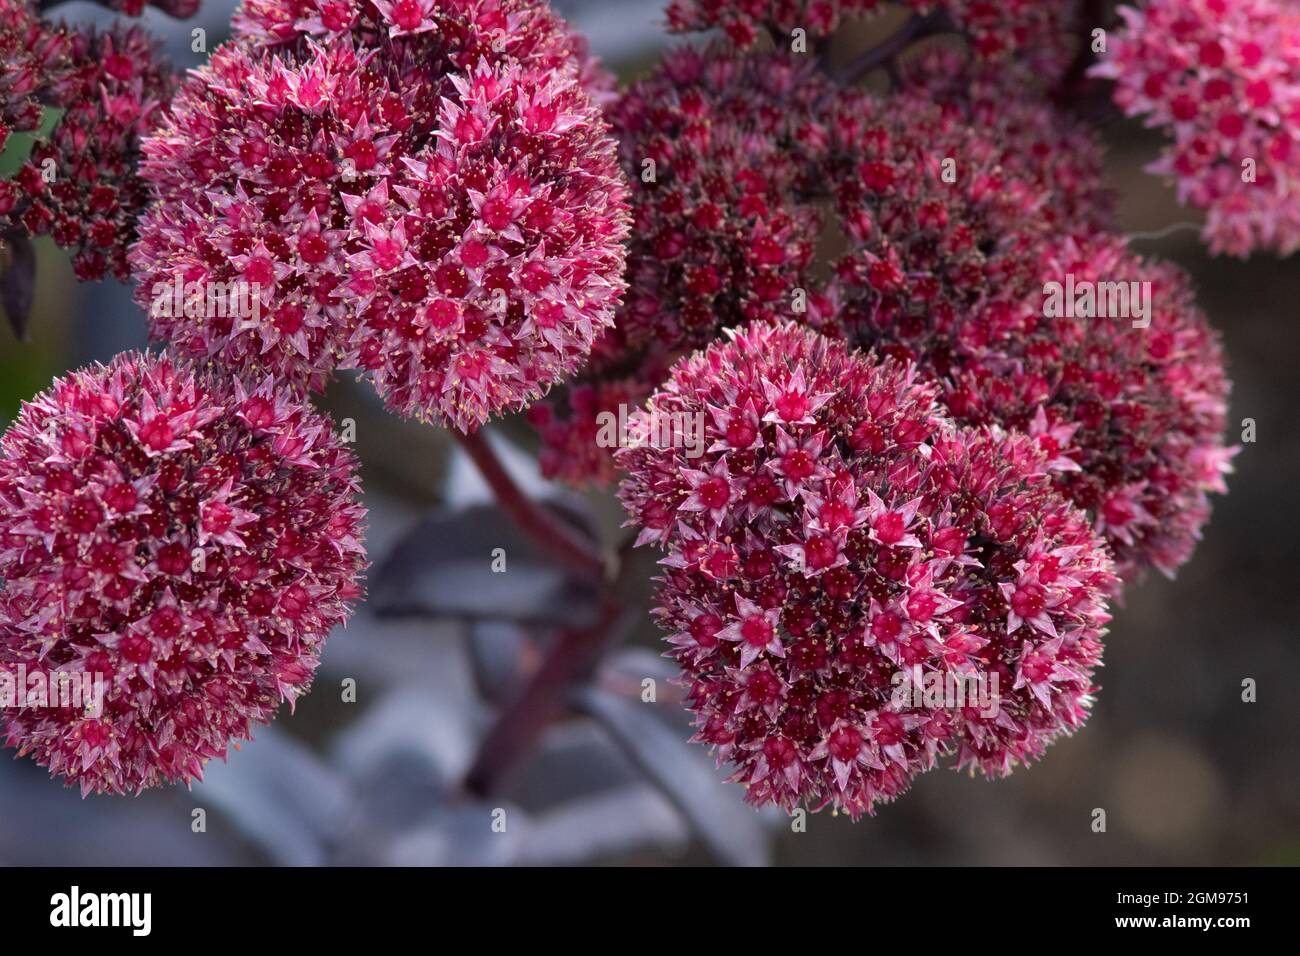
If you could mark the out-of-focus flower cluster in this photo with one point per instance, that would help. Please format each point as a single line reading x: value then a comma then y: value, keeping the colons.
x: 31, y: 53
x: 727, y: 152
x: 1058, y: 156
x: 180, y: 9
x: 111, y: 93
x: 745, y: 20
x: 952, y: 257
x: 1222, y: 77
x: 841, y: 542
x: 1033, y: 36
x: 730, y: 211
x: 421, y: 191
x: 188, y: 539
x: 80, y: 184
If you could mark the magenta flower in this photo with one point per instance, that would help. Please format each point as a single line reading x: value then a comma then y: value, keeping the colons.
x: 456, y: 235
x: 840, y: 544
x: 112, y: 92
x: 1136, y: 414
x: 1222, y: 77
x: 190, y: 539
x: 954, y: 275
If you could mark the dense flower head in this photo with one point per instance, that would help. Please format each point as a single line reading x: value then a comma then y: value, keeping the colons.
x: 1059, y: 156
x: 1030, y: 33
x: 954, y: 276
x: 937, y: 226
x: 80, y: 184
x: 456, y: 235
x: 1133, y: 408
x: 464, y: 32
x: 840, y: 541
x: 724, y: 155
x: 190, y: 539
x: 1222, y: 77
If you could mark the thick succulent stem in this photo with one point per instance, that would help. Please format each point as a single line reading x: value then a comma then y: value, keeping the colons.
x: 574, y: 654
x: 571, y: 659
x: 557, y: 538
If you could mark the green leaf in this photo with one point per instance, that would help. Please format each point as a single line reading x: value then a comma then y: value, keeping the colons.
x: 20, y: 145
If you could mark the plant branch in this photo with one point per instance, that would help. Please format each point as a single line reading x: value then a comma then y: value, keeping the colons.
x: 1075, y: 85
x: 569, y: 661
x: 822, y: 54
x: 551, y: 533
x: 918, y: 27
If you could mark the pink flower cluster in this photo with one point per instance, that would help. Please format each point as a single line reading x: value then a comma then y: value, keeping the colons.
x: 467, y: 32
x: 725, y: 153
x: 421, y: 191
x: 1222, y: 77
x: 190, y: 540
x: 841, y: 542
x: 1059, y: 157
x: 1148, y: 405
x: 952, y: 272
x: 725, y: 156
x: 79, y: 185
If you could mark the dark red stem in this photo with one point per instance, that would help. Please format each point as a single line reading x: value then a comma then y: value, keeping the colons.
x: 551, y: 533
x: 569, y: 661
x: 575, y: 653
x: 918, y: 27
x: 1075, y: 85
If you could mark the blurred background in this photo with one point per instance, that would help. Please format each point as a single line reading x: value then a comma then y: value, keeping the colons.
x: 1187, y: 772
